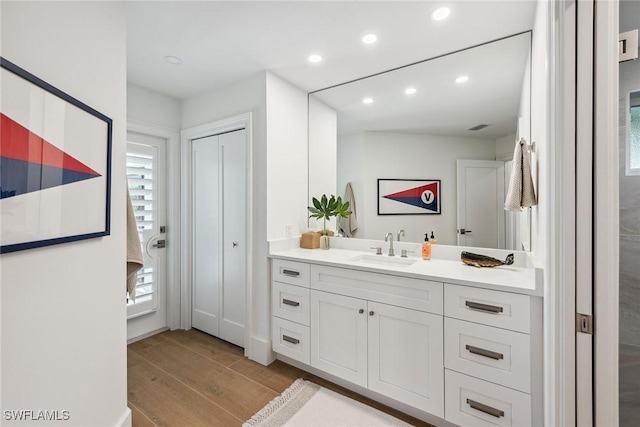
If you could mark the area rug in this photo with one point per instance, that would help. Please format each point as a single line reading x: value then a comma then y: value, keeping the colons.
x: 305, y: 404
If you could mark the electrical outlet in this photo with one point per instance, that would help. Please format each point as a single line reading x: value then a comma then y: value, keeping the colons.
x: 288, y: 230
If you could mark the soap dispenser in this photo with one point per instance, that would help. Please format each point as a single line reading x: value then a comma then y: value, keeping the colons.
x: 432, y: 239
x: 426, y: 247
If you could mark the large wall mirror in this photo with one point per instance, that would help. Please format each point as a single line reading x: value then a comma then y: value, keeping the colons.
x: 453, y: 120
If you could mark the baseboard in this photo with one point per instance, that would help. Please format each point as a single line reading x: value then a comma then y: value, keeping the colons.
x: 261, y: 351
x: 125, y: 421
x: 147, y: 335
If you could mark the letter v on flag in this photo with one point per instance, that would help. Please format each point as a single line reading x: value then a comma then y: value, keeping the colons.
x: 424, y: 196
x: 28, y: 163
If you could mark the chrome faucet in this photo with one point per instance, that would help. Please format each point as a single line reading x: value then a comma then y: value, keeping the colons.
x: 400, y: 233
x: 389, y: 238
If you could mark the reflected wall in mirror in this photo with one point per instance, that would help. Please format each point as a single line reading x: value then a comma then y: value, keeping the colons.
x: 419, y: 121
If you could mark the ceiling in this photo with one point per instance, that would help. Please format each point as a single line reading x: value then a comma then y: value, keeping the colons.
x: 440, y: 106
x: 222, y: 43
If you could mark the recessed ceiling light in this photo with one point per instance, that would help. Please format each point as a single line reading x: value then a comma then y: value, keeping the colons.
x: 315, y: 58
x: 462, y: 79
x: 367, y: 100
x: 173, y: 60
x: 369, y: 39
x: 440, y: 13
x: 410, y: 90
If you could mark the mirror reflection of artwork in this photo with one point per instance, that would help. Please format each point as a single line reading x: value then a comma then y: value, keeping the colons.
x: 408, y: 197
x: 422, y: 119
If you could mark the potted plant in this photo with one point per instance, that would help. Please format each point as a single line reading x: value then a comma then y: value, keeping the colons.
x: 324, y: 209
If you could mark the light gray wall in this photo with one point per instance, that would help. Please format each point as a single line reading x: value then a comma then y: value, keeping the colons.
x: 152, y: 108
x: 629, y: 195
x: 406, y: 156
x: 63, y: 318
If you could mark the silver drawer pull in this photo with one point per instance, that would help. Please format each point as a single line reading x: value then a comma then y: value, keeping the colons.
x: 483, y: 352
x: 290, y: 339
x: 291, y: 273
x: 485, y: 408
x: 289, y: 302
x: 483, y: 307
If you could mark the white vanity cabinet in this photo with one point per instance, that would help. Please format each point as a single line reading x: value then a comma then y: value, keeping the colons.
x: 290, y: 309
x: 493, y: 357
x: 380, y: 331
x: 466, y: 354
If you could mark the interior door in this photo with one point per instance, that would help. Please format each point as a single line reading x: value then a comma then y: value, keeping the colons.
x: 146, y: 171
x: 219, y: 235
x: 481, y: 203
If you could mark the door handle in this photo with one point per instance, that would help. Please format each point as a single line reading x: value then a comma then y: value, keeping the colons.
x: 464, y: 231
x: 289, y: 302
x: 484, y: 352
x: 485, y: 408
x: 483, y: 307
x: 160, y: 244
x: 292, y: 340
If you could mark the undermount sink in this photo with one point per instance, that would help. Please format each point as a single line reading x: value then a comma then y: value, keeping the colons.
x: 384, y: 260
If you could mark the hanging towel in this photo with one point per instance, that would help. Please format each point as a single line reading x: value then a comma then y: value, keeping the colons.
x: 349, y: 224
x: 134, y: 251
x: 521, y: 193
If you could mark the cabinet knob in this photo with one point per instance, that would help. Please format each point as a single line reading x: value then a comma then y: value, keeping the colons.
x: 361, y: 311
x: 371, y: 313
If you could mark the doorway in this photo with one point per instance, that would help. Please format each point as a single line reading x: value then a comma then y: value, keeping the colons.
x: 217, y: 243
x: 219, y: 235
x: 480, y: 203
x: 146, y: 178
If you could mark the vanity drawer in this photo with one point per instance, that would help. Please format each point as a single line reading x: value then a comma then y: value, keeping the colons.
x: 501, y: 309
x: 417, y: 294
x: 493, y: 354
x: 292, y: 272
x: 290, y: 339
x: 473, y: 402
x: 290, y: 302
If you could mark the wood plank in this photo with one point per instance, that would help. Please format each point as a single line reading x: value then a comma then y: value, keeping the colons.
x: 215, y: 349
x: 167, y: 401
x: 278, y: 376
x: 138, y: 419
x: 236, y: 393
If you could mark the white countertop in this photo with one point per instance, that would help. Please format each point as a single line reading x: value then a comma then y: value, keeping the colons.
x: 518, y: 278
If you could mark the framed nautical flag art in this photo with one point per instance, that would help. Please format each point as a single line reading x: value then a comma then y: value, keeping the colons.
x: 409, y: 197
x: 55, y: 164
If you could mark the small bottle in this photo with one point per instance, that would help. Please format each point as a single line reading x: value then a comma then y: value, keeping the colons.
x: 432, y: 239
x: 426, y: 247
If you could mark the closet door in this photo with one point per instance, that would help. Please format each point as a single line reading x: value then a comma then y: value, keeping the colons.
x: 232, y: 158
x: 219, y: 235
x: 206, y: 235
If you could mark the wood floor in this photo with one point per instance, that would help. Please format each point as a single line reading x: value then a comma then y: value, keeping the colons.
x: 189, y: 378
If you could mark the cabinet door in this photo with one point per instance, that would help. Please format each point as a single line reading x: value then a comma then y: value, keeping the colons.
x: 339, y: 336
x: 406, y: 356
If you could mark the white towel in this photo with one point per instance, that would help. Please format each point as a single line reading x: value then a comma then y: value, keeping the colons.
x: 349, y: 224
x: 521, y: 193
x: 134, y: 251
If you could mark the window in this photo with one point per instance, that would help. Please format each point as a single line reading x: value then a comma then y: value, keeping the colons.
x: 140, y: 178
x: 633, y: 135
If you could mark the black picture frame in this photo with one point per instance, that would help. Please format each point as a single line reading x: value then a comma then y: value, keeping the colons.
x: 55, y: 157
x: 409, y: 196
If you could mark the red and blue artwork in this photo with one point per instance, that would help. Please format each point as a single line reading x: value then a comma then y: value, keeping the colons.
x: 408, y: 197
x: 29, y: 163
x: 55, y: 164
